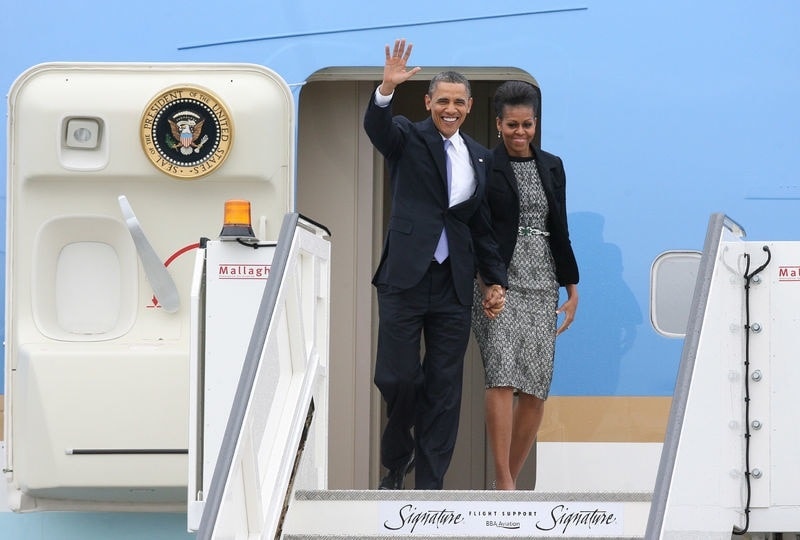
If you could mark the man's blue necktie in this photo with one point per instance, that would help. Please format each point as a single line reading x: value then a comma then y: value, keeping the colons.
x: 442, y: 250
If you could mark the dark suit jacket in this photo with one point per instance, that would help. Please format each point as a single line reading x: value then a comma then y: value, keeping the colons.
x: 503, y: 195
x: 415, y: 155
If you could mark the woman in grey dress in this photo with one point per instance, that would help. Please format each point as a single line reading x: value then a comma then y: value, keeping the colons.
x: 527, y: 199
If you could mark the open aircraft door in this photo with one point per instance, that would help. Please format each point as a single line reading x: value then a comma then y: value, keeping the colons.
x: 115, y: 173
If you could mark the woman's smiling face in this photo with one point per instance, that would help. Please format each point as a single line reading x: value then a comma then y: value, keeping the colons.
x: 517, y: 128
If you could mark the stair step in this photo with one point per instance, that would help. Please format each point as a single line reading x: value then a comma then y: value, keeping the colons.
x: 374, y: 514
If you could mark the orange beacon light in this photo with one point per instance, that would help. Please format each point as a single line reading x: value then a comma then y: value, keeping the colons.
x: 237, y: 223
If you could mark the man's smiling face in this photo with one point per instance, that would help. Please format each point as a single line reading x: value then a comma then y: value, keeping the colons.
x: 449, y: 105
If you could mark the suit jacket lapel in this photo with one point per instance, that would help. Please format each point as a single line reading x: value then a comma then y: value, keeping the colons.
x: 503, y: 164
x: 544, y: 171
x: 543, y: 167
x: 435, y: 143
x: 478, y: 164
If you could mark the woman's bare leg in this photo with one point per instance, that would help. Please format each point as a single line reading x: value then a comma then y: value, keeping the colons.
x: 528, y: 413
x: 499, y: 424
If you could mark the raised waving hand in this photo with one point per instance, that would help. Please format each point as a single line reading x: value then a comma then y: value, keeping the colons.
x: 394, y: 70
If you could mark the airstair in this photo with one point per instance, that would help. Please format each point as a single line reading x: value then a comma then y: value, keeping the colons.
x: 717, y: 476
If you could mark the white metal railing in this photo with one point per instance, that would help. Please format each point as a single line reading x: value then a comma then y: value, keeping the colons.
x: 695, y: 495
x: 281, y: 402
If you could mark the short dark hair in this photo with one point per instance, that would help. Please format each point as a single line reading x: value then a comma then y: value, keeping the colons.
x: 515, y: 93
x: 449, y: 77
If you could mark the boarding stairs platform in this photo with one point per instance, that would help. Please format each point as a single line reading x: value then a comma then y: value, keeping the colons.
x: 374, y: 514
x: 720, y: 475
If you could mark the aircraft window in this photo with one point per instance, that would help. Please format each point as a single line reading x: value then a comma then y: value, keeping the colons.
x: 672, y: 279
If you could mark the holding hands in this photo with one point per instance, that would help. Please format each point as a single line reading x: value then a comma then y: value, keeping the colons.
x: 494, y: 299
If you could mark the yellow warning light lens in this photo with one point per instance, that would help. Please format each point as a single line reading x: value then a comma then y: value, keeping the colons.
x: 237, y: 220
x: 237, y: 212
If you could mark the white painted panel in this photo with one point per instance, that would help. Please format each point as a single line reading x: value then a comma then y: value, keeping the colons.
x: 89, y: 345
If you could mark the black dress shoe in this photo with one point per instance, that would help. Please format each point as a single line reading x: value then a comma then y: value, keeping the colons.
x: 395, y: 478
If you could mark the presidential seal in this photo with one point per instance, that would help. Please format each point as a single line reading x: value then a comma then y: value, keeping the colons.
x: 186, y: 132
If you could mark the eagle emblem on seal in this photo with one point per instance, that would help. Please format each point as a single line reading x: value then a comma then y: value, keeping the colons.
x: 186, y: 128
x: 186, y: 132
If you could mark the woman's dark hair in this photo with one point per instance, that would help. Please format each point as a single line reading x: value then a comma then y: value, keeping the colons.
x: 514, y: 93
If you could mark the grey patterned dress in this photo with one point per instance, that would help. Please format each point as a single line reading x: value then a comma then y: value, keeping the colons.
x: 518, y: 347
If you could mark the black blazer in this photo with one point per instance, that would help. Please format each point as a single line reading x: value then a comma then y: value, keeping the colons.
x: 414, y: 152
x: 503, y: 194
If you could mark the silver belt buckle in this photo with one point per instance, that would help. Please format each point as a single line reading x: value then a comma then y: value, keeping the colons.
x: 531, y: 231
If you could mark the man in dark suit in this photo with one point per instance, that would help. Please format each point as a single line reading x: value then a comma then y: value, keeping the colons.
x: 438, y: 237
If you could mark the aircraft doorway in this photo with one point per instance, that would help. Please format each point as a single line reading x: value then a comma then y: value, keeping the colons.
x: 341, y: 182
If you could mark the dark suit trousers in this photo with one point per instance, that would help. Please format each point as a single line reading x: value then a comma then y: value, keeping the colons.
x: 425, y: 396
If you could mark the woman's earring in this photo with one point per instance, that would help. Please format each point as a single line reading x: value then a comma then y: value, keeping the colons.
x: 498, y: 134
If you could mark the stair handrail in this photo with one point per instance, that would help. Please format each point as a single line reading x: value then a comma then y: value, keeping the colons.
x: 717, y: 225
x: 299, y: 237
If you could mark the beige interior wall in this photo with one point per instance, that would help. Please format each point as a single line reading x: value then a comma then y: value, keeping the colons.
x: 335, y: 187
